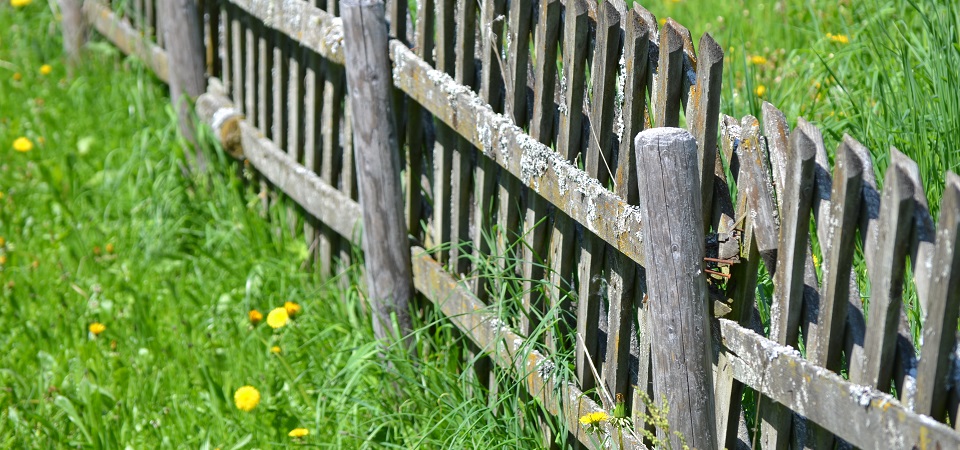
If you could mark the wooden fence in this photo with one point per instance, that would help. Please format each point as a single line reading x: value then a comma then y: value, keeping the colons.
x: 517, y: 122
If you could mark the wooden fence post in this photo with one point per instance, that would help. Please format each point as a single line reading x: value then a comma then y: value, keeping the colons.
x: 385, y: 243
x: 673, y: 243
x: 74, y: 26
x: 184, y: 44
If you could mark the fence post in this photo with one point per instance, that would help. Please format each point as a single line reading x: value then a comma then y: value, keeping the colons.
x: 673, y: 244
x: 184, y: 44
x: 74, y: 29
x: 385, y: 243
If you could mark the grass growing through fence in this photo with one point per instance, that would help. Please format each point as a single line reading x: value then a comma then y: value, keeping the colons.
x: 100, y: 227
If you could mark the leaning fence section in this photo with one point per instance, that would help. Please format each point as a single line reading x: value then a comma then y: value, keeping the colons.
x: 517, y: 121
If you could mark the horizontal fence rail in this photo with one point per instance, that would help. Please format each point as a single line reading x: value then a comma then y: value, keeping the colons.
x: 514, y: 151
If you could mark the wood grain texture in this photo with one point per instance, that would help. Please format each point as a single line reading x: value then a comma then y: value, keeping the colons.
x: 635, y: 74
x: 825, y: 335
x: 545, y: 71
x: 939, y: 337
x: 670, y: 206
x: 386, y: 251
x: 886, y: 276
x: 704, y: 115
x: 575, y: 32
x: 796, y: 200
x: 753, y: 163
x: 864, y: 417
x: 668, y: 79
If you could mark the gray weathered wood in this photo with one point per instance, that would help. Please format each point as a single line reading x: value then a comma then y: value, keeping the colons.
x: 295, y: 102
x: 330, y: 163
x: 182, y: 30
x: 670, y: 207
x: 607, y: 52
x: 264, y: 78
x: 249, y: 70
x: 510, y: 351
x: 446, y: 141
x: 704, y: 115
x: 462, y: 162
x: 536, y: 165
x: 789, y: 282
x: 485, y: 177
x: 753, y: 163
x: 126, y: 38
x: 795, y: 224
x: 517, y: 56
x: 886, y: 276
x: 939, y: 336
x: 536, y: 224
x: 741, y: 289
x: 635, y: 74
x: 303, y: 186
x: 597, y: 159
x: 575, y: 28
x: 545, y: 71
x: 825, y: 335
x: 386, y: 252
x: 74, y: 26
x: 668, y: 80
x: 864, y: 417
x: 776, y: 130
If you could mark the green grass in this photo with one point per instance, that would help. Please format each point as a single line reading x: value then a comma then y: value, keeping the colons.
x: 100, y: 225
x: 192, y: 255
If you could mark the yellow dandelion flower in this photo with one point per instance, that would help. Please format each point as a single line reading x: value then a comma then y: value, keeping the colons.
x: 292, y: 308
x: 22, y: 145
x: 275, y: 349
x: 19, y: 3
x: 758, y: 60
x: 35, y: 264
x: 838, y: 38
x: 96, y: 328
x: 255, y: 317
x: 246, y: 398
x: 760, y: 90
x: 298, y: 432
x: 663, y: 21
x: 278, y: 318
x: 3, y: 241
x: 109, y: 248
x: 17, y: 76
x: 45, y: 69
x: 3, y: 259
x: 594, y: 418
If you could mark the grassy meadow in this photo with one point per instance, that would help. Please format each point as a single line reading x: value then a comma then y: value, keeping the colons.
x: 126, y: 288
x: 100, y: 227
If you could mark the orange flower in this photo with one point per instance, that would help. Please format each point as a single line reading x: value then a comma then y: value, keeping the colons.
x: 292, y: 308
x: 255, y: 317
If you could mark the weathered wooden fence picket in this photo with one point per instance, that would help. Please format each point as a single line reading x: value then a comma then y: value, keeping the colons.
x: 518, y: 122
